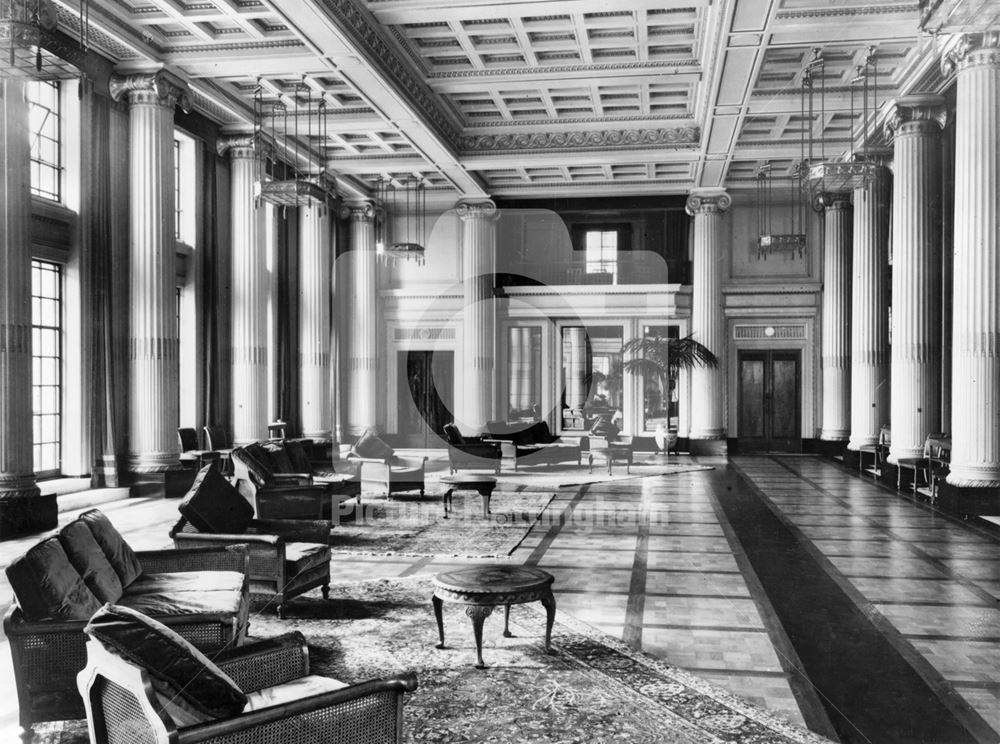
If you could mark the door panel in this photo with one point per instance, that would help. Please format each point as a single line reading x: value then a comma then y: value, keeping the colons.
x: 769, y: 401
x: 425, y: 396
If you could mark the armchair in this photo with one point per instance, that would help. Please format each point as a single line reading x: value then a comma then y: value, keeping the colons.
x: 471, y: 452
x: 281, y: 701
x: 381, y: 464
x: 190, y: 451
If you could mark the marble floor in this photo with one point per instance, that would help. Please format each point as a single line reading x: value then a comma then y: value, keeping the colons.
x: 788, y: 580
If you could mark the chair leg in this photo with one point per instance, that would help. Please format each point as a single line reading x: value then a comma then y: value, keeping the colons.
x: 325, y: 589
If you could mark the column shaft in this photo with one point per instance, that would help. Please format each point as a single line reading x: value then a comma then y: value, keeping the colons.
x: 707, y: 316
x: 362, y: 317
x: 870, y: 313
x: 975, y: 459
x: 479, y: 315
x: 153, y: 345
x: 314, y: 322
x: 575, y: 353
x: 916, y: 351
x: 836, y: 334
x: 249, y: 298
x: 17, y: 477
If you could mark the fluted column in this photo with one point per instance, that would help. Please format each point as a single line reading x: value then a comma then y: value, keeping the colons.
x: 915, y: 124
x: 153, y: 347
x: 707, y: 316
x: 314, y: 321
x: 836, y: 333
x: 975, y: 425
x: 18, y: 492
x: 362, y: 319
x: 249, y: 293
x: 870, y: 312
x: 479, y: 316
x: 516, y: 376
x: 575, y: 354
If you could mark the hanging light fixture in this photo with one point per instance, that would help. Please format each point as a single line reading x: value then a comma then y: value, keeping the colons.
x: 769, y: 242
x: 296, y: 186
x: 22, y: 23
x: 401, y: 224
x: 857, y: 170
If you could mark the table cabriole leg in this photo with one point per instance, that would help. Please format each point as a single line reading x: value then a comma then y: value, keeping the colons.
x: 549, y: 603
x: 479, y: 613
x: 506, y: 622
x: 446, y: 501
x: 436, y: 601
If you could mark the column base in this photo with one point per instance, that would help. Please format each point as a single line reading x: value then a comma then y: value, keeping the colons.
x: 708, y: 447
x: 835, y: 435
x: 169, y: 484
x: 969, y: 501
x: 27, y: 513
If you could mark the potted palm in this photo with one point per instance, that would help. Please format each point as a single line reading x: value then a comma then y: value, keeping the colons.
x: 659, y: 358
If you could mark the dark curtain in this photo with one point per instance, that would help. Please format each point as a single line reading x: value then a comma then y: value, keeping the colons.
x: 287, y: 320
x: 209, y: 296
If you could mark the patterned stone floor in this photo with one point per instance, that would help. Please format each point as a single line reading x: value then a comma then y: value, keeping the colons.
x: 657, y: 563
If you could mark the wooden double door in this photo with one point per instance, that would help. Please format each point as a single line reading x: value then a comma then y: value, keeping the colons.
x: 770, y: 401
x: 426, y: 392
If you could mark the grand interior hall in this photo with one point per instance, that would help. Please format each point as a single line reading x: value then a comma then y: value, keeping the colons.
x: 679, y: 316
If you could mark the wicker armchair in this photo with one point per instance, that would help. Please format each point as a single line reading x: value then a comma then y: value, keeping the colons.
x: 47, y: 654
x: 288, y: 557
x: 379, y: 463
x: 122, y: 706
x: 280, y: 495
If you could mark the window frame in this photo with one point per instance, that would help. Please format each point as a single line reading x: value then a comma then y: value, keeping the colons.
x: 37, y: 328
x: 37, y: 162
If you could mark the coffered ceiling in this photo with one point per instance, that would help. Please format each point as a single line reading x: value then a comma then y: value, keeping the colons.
x: 532, y: 98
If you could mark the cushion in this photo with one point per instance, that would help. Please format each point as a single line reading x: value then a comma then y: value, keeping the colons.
x: 522, y: 437
x: 48, y: 586
x: 370, y: 446
x: 162, y: 604
x: 185, y: 581
x: 300, y: 557
x: 213, y: 505
x: 119, y: 553
x: 256, y: 461
x: 452, y: 434
x: 188, y: 684
x: 280, y: 461
x: 298, y: 457
x: 89, y: 560
x: 288, y: 692
x: 541, y: 434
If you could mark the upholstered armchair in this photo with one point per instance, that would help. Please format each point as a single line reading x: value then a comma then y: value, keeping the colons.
x: 261, y: 692
x: 279, y: 495
x: 191, y: 453
x: 380, y: 464
x: 471, y: 452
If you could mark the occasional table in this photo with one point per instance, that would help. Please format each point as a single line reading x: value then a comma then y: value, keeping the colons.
x: 612, y: 453
x: 484, y: 587
x: 484, y: 484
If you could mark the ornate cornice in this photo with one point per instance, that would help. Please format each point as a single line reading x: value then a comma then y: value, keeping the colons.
x: 560, y: 69
x: 707, y: 203
x: 913, y: 114
x: 624, y: 138
x: 563, y: 120
x: 972, y: 50
x: 150, y: 87
x: 481, y: 210
x: 873, y: 9
x: 380, y: 55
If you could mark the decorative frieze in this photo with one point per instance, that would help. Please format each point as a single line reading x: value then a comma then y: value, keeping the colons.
x: 623, y: 138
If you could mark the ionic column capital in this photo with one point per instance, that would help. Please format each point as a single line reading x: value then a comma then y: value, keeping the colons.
x: 150, y: 88
x: 972, y: 50
x: 707, y: 203
x: 359, y: 212
x: 925, y: 114
x: 831, y: 201
x: 237, y: 145
x: 483, y: 210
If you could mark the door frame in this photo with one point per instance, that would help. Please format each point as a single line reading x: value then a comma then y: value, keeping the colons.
x: 410, y: 337
x: 768, y: 357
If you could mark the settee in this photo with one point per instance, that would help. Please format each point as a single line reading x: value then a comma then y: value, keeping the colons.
x: 471, y: 452
x: 534, y: 444
x: 61, y: 581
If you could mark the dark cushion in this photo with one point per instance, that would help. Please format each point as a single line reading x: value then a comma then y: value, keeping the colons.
x: 257, y: 462
x: 280, y: 461
x: 90, y: 562
x: 185, y: 581
x: 188, y: 439
x: 452, y: 434
x: 213, y: 505
x: 522, y: 437
x: 180, y: 673
x: 541, y: 434
x: 215, y: 602
x: 47, y: 586
x: 300, y: 557
x: 370, y: 446
x: 119, y: 553
x: 298, y: 456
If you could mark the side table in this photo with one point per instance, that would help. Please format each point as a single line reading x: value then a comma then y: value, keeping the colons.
x: 484, y: 484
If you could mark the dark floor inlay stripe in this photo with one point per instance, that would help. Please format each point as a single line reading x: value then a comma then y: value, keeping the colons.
x: 871, y: 692
x: 550, y: 535
x: 636, y: 607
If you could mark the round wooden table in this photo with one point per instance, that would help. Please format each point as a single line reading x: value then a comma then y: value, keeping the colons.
x: 484, y: 587
x: 484, y: 484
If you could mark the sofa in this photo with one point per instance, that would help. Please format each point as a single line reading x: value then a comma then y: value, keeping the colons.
x: 61, y: 581
x: 287, y: 556
x: 534, y: 444
x: 471, y: 452
x: 278, y: 479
